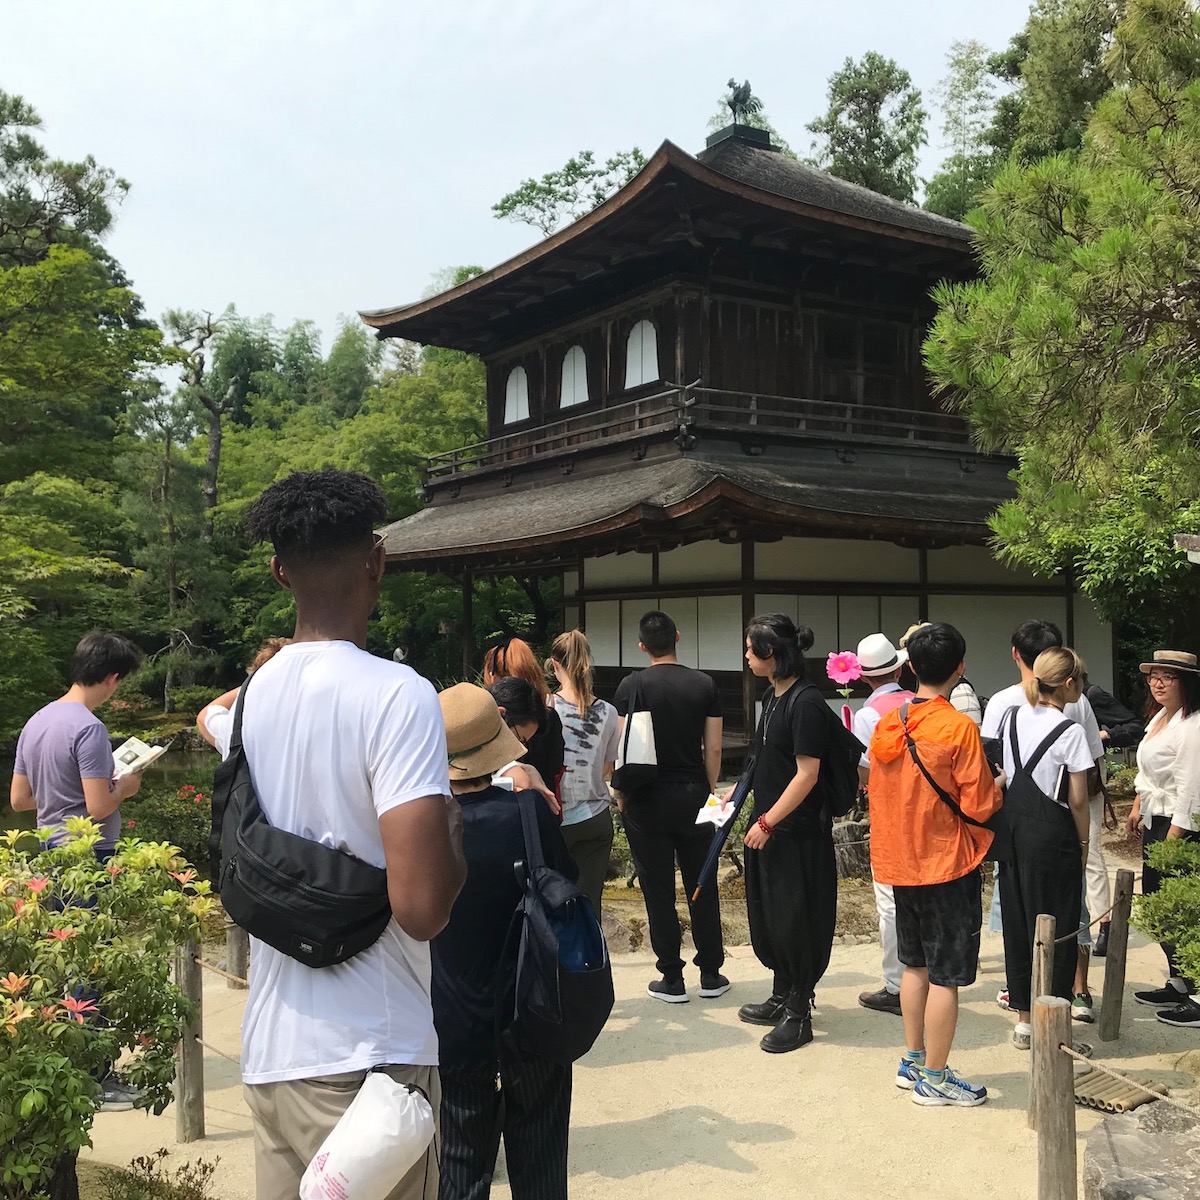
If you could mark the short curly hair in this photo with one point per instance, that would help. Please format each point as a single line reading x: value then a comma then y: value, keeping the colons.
x: 314, y: 513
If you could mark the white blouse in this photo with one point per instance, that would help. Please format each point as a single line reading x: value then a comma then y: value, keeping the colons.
x: 1168, y: 778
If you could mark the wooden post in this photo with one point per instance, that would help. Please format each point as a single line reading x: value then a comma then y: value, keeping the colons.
x: 1041, y: 984
x: 189, y: 1072
x: 237, y: 953
x: 1109, y: 1027
x: 1055, y: 1082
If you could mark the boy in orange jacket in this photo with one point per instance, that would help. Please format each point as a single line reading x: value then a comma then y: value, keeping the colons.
x: 931, y: 857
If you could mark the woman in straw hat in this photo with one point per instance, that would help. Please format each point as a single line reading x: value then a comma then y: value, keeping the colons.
x: 1168, y: 799
x: 469, y: 961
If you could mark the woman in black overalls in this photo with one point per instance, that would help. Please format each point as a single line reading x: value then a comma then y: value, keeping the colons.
x: 791, y: 874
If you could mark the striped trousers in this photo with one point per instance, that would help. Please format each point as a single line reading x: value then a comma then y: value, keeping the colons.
x: 536, y: 1098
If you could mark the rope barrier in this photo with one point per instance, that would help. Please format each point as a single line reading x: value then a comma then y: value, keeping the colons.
x: 222, y: 972
x: 219, y: 1053
x: 1066, y: 937
x: 1099, y: 1066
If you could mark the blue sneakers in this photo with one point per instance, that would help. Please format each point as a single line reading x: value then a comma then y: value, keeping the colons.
x: 952, y: 1090
x: 907, y: 1074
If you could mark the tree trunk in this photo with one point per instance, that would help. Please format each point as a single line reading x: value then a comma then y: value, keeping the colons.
x: 212, y: 464
x: 64, y: 1185
x: 852, y: 851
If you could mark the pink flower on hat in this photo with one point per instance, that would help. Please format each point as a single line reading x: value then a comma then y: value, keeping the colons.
x: 843, y: 667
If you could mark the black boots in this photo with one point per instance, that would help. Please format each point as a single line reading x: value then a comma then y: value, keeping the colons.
x: 792, y: 1032
x: 769, y: 1012
x: 1101, y: 947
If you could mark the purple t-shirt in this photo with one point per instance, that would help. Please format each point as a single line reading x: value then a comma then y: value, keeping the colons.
x: 60, y: 746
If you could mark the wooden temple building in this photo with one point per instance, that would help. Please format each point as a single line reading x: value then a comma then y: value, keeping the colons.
x: 707, y: 396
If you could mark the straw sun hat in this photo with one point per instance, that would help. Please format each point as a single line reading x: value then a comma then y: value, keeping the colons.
x: 477, y: 740
x: 1172, y: 660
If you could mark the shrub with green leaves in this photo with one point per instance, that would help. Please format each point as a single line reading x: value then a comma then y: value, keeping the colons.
x: 1172, y: 914
x: 177, y: 813
x: 149, y: 1178
x: 86, y: 949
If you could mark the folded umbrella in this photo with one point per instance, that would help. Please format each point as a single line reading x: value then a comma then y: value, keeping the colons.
x: 708, y: 872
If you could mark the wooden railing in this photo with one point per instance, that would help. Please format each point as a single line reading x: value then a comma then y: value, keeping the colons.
x: 695, y: 410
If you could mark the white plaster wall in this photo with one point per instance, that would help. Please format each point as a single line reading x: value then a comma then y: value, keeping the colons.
x: 570, y: 616
x: 1094, y: 641
x: 701, y: 562
x: 570, y: 584
x: 683, y: 611
x: 719, y: 638
x: 975, y: 564
x: 603, y: 632
x: 835, y: 560
x: 617, y: 570
x: 897, y: 613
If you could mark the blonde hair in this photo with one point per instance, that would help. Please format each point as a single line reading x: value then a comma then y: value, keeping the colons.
x: 1052, y: 669
x: 266, y: 652
x: 574, y: 657
x: 515, y: 659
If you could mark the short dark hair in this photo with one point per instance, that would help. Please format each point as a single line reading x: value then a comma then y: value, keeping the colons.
x: 1031, y: 637
x: 519, y: 699
x: 100, y: 655
x: 314, y: 514
x: 935, y: 651
x: 657, y: 632
x: 776, y: 634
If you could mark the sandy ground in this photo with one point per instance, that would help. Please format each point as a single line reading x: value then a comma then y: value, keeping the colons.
x: 677, y: 1100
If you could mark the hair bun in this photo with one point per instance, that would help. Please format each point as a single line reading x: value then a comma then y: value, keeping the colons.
x: 804, y: 638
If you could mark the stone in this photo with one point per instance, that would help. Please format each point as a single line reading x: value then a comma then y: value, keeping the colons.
x: 852, y: 850
x: 620, y: 937
x: 1152, y: 1153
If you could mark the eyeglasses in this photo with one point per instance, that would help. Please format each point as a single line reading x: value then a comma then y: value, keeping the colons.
x: 1162, y: 677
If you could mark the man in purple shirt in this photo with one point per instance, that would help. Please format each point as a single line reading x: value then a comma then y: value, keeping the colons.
x: 64, y: 764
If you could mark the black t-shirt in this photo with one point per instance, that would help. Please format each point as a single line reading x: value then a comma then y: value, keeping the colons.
x: 546, y: 750
x: 466, y: 955
x: 680, y: 700
x: 794, y: 725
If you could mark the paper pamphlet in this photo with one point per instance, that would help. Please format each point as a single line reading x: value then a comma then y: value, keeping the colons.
x: 135, y: 755
x: 713, y: 814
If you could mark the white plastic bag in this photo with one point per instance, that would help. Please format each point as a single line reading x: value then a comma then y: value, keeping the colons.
x: 384, y: 1131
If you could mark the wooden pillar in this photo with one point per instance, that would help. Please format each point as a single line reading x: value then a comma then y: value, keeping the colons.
x: 1054, y: 1080
x: 189, y: 1074
x: 1040, y: 985
x: 468, y: 624
x: 749, y: 683
x: 1069, y: 632
x: 237, y: 953
x: 1109, y: 1026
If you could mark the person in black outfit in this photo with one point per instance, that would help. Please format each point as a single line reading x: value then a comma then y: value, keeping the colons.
x: 660, y: 820
x: 539, y: 728
x: 472, y: 978
x: 1119, y: 728
x: 791, y: 874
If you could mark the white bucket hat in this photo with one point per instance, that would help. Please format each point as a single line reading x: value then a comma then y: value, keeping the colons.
x: 877, y: 656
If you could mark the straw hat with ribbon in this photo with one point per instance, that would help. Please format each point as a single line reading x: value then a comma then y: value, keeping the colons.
x: 1172, y: 660
x: 477, y: 740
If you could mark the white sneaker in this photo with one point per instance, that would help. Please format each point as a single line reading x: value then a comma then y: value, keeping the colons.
x: 1022, y: 1034
x: 1002, y: 999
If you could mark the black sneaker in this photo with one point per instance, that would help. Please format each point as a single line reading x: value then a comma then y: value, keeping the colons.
x: 1185, y: 1015
x: 769, y: 1012
x: 1100, y: 949
x: 712, y: 984
x: 670, y: 990
x: 116, y: 1096
x: 881, y: 1001
x: 790, y: 1034
x: 1163, y: 997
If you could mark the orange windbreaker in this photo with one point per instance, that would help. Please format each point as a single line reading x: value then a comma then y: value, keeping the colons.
x: 916, y: 838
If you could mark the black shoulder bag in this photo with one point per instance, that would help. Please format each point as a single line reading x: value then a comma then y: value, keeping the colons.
x: 1001, y: 849
x: 315, y: 904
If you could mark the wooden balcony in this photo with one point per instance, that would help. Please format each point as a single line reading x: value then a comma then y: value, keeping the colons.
x: 695, y: 414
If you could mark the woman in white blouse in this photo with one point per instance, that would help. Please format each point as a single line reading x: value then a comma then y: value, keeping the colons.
x: 1167, y: 803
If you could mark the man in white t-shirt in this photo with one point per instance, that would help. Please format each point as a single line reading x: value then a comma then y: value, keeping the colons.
x: 349, y: 750
x: 881, y: 665
x: 1029, y: 639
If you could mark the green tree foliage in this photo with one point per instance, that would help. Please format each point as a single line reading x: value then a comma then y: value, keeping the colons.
x: 966, y: 96
x: 574, y: 189
x: 1172, y: 914
x: 872, y: 128
x: 1079, y: 348
x: 1055, y: 67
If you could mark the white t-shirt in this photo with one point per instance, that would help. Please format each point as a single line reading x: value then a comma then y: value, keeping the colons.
x: 590, y: 743
x: 1079, y: 711
x: 1070, y: 750
x: 335, y: 738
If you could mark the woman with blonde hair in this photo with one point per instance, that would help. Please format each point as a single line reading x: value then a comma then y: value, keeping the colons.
x: 590, y: 740
x: 1047, y: 760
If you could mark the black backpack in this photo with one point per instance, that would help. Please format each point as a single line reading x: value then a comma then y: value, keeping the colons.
x: 313, y: 903
x: 838, y: 774
x: 563, y: 976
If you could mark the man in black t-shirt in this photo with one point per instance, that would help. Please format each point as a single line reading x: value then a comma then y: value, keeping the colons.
x: 660, y: 820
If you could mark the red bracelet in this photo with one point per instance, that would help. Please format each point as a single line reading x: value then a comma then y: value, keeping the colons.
x: 765, y: 826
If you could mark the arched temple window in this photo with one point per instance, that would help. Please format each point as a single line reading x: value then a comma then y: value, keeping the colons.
x: 641, y: 355
x: 516, y: 396
x: 574, y: 378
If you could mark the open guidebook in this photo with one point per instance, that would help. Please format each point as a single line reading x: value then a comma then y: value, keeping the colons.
x: 135, y: 755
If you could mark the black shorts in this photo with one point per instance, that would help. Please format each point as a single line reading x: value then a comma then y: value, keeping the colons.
x: 937, y: 926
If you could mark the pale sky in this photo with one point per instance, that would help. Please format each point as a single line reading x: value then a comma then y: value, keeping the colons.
x: 309, y: 158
